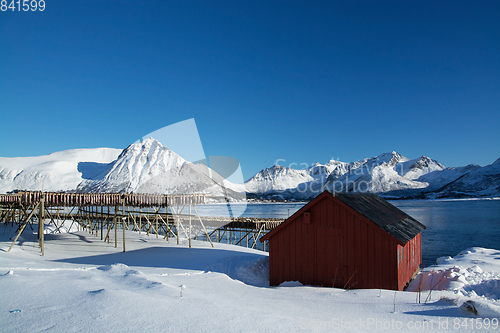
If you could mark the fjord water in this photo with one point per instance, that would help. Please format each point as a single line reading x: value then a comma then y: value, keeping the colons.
x: 451, y: 225
x: 454, y: 225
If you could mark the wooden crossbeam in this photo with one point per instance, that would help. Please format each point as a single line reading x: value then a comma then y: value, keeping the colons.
x: 21, y: 229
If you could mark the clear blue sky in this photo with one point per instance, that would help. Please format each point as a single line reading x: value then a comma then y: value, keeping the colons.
x: 264, y: 80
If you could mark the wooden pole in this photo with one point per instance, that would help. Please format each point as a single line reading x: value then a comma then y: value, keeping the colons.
x: 94, y: 218
x: 108, y: 224
x: 116, y: 222
x: 190, y: 204
x: 140, y: 220
x: 168, y: 227
x: 156, y: 222
x: 40, y: 223
x: 147, y: 220
x: 126, y: 214
x: 13, y: 217
x: 21, y: 229
x: 177, y: 226
x: 102, y: 222
x: 205, y: 229
x: 123, y: 222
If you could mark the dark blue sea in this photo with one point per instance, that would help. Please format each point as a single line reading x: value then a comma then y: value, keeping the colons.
x: 452, y: 225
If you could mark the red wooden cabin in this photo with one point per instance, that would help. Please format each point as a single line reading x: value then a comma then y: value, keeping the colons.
x: 346, y: 241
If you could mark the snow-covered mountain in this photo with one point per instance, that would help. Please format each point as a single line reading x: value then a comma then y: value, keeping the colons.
x: 145, y: 167
x: 386, y: 172
x: 281, y: 178
x: 277, y: 178
x: 150, y: 167
x: 389, y: 174
x: 414, y: 169
x: 483, y: 181
x: 439, y: 178
x: 60, y: 171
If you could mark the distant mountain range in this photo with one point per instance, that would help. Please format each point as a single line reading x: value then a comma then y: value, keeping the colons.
x: 390, y: 175
x: 149, y: 167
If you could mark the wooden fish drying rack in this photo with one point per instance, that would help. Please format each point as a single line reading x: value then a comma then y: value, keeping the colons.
x: 105, y: 213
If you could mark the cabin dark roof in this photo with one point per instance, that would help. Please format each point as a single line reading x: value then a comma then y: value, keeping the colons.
x: 397, y: 223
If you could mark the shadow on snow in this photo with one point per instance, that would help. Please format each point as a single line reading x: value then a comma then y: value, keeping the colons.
x: 250, y: 268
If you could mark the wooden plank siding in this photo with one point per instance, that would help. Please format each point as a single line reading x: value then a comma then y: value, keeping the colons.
x: 409, y: 261
x: 336, y: 246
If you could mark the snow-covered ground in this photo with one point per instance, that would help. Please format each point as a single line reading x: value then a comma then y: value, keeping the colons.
x: 83, y: 284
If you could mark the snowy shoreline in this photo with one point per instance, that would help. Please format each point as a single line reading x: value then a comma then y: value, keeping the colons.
x: 257, y: 201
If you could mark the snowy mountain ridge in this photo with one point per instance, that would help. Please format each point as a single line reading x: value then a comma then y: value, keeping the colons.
x: 145, y: 167
x: 389, y: 174
x: 150, y: 167
x: 59, y: 171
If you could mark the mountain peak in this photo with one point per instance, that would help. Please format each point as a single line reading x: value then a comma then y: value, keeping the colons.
x: 425, y: 161
x: 276, y: 167
x: 145, y: 146
x: 142, y: 166
x: 151, y: 143
x: 150, y: 139
x: 334, y: 162
x: 390, y: 159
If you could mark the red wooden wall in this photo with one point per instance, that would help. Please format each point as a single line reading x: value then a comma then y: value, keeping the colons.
x: 340, y: 248
x: 409, y: 259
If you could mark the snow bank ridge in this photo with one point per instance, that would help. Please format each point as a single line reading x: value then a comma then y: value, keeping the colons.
x: 472, y: 273
x: 124, y: 275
